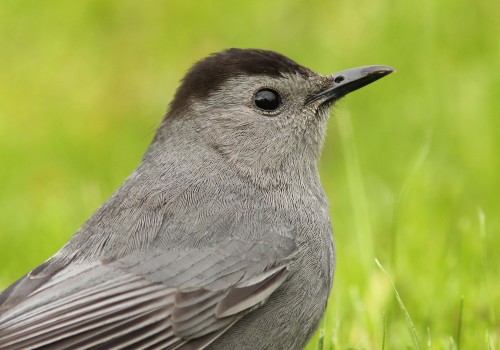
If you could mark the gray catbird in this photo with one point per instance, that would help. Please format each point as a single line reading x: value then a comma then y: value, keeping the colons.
x: 221, y: 237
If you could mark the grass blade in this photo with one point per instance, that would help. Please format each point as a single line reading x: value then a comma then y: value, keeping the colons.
x: 409, y: 322
x: 384, y: 321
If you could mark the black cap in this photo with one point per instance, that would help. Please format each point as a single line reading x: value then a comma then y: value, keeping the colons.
x: 210, y: 73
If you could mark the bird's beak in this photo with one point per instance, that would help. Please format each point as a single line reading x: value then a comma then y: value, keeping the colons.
x: 350, y: 80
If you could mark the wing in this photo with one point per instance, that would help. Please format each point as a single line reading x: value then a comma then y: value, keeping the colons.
x: 166, y: 300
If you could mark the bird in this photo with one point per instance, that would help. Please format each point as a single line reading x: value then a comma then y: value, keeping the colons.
x: 219, y: 239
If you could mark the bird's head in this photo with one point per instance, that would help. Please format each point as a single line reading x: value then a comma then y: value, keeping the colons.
x: 259, y: 109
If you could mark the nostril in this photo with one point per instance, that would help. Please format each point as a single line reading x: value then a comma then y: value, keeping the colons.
x: 338, y: 79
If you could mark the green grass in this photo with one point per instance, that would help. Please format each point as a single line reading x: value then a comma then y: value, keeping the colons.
x: 410, y: 165
x: 409, y: 323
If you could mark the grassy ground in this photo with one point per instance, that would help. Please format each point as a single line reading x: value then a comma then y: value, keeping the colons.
x: 411, y: 164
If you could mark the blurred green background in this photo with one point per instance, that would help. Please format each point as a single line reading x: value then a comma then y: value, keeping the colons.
x: 410, y: 165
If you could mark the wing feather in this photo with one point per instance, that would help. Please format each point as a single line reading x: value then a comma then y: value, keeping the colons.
x: 167, y: 300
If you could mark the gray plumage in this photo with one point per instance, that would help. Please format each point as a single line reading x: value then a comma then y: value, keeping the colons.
x: 220, y: 239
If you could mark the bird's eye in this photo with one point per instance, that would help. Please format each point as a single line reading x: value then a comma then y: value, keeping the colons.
x: 267, y: 100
